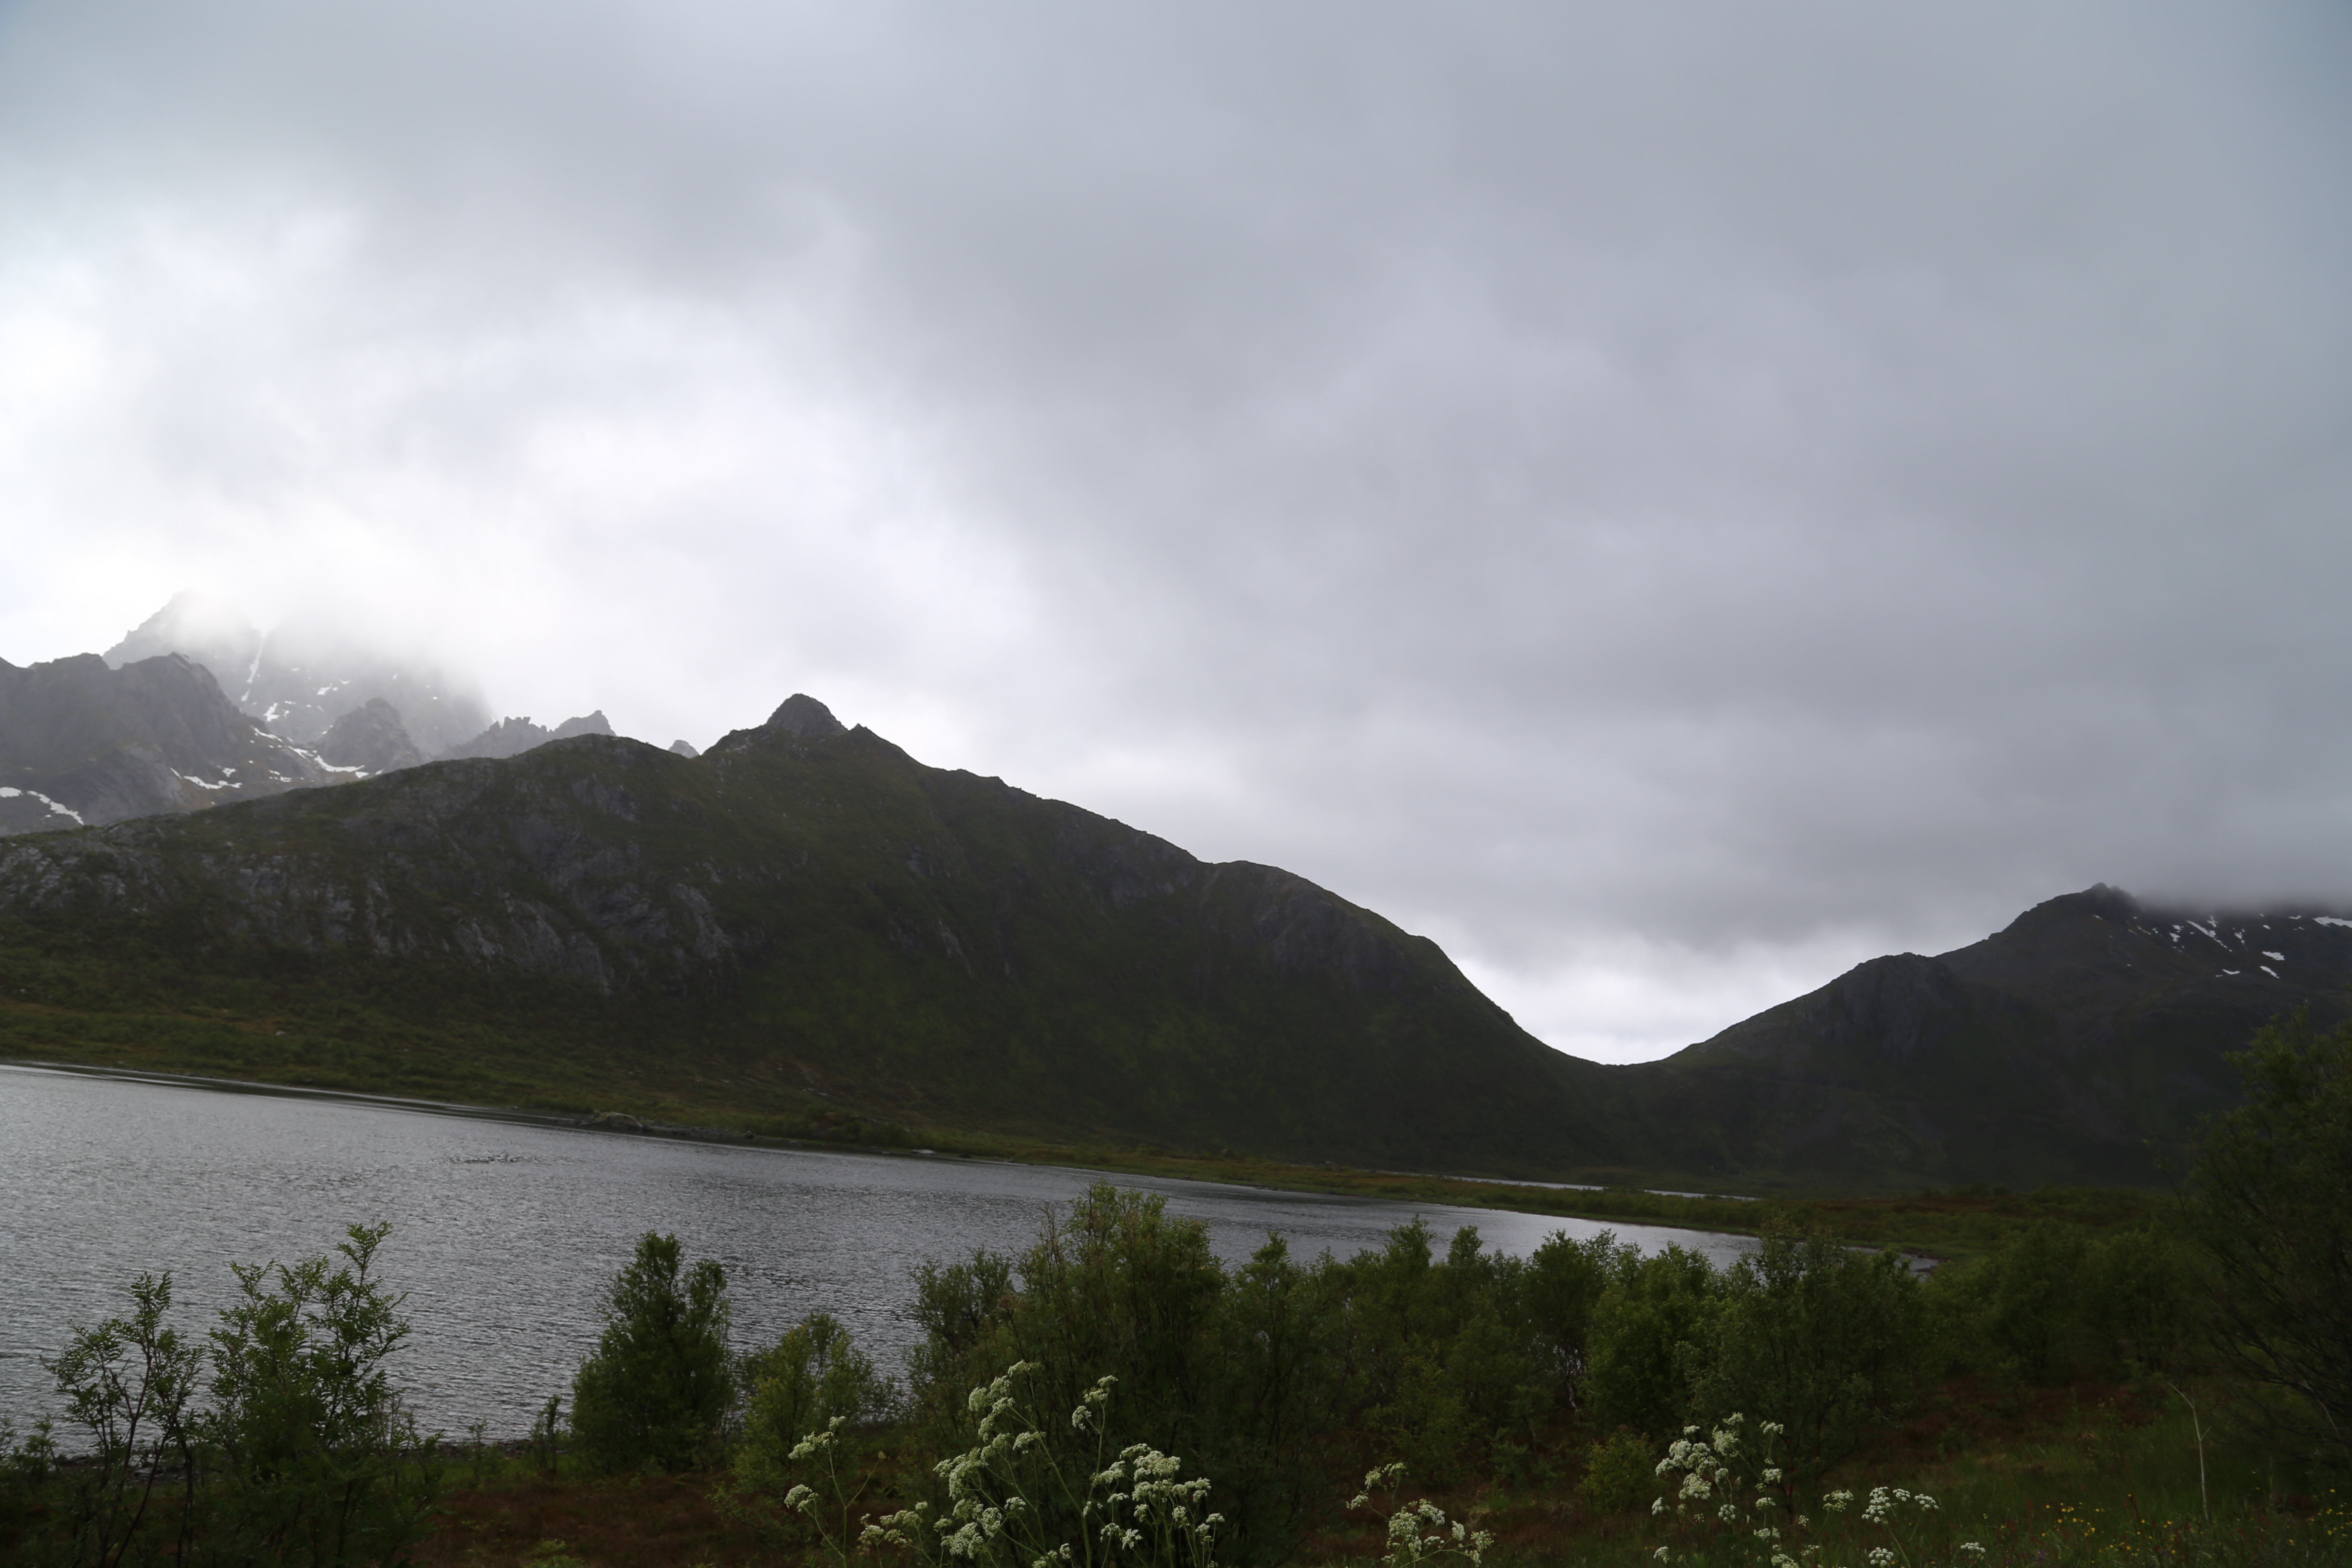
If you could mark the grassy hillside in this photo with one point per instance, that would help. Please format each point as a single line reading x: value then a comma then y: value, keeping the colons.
x: 782, y: 925
x: 805, y: 928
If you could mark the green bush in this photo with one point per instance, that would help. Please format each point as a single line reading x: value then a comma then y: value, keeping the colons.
x: 1652, y: 1328
x: 1236, y: 1372
x: 1564, y: 1281
x: 2140, y: 1290
x: 1832, y: 1342
x: 1263, y: 1375
x: 317, y: 1460
x: 810, y: 1377
x: 128, y: 1384
x: 2267, y: 1209
x: 656, y: 1394
x: 1619, y: 1475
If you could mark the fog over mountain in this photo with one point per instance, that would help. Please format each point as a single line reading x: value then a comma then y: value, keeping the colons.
x: 305, y: 674
x: 1668, y: 501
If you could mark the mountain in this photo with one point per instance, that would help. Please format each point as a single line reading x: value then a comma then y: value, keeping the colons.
x: 805, y: 919
x: 803, y: 915
x: 84, y: 743
x: 2080, y: 1043
x: 372, y: 739
x: 513, y: 737
x: 307, y: 673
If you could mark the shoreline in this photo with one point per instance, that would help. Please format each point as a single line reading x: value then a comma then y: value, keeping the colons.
x: 1930, y: 1230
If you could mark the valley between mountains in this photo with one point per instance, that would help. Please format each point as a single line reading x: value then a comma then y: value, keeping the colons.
x: 805, y: 930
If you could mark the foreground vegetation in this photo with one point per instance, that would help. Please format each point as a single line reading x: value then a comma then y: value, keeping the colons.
x: 2171, y: 1390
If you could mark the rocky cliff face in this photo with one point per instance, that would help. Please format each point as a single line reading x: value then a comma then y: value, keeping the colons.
x: 370, y: 739
x: 513, y: 737
x: 456, y: 863
x: 84, y: 743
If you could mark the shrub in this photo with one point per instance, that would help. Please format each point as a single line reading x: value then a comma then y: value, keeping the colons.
x: 1829, y: 1340
x: 1620, y: 1474
x: 809, y: 1379
x: 1564, y: 1281
x: 656, y: 1393
x: 321, y: 1463
x: 1652, y: 1328
x: 2267, y: 1209
x: 128, y: 1383
x: 2029, y: 1302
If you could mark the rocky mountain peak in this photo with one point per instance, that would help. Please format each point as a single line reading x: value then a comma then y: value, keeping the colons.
x: 370, y: 738
x: 204, y: 629
x: 803, y: 716
x: 84, y: 743
x: 512, y: 737
x: 306, y: 673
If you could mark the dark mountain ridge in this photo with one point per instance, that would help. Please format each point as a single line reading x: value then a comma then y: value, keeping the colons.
x: 807, y: 906
x: 82, y: 743
x: 2083, y: 1042
x: 805, y: 913
x: 150, y: 728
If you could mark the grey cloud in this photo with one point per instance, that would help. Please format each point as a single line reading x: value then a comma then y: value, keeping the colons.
x: 1714, y: 475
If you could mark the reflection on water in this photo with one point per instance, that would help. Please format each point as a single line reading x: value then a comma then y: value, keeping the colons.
x: 505, y: 1234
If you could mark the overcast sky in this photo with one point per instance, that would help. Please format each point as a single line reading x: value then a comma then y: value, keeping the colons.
x: 1669, y: 499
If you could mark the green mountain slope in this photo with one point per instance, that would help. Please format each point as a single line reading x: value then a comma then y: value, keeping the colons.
x: 805, y: 926
x: 2080, y: 1044
x: 799, y: 912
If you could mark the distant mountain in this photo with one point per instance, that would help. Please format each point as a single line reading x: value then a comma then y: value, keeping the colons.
x: 370, y: 738
x: 805, y: 910
x: 513, y: 737
x: 2081, y: 1043
x: 307, y: 673
x: 84, y: 743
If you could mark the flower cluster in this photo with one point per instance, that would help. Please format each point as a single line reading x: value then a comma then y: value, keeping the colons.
x: 1735, y: 1485
x: 1137, y: 1508
x: 1419, y: 1531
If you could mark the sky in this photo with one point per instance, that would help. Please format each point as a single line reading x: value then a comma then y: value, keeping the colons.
x: 1669, y: 499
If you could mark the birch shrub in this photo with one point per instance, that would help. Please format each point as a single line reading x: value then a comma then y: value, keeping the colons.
x: 316, y: 1459
x: 1833, y: 1342
x: 657, y: 1391
x: 130, y: 1386
x: 812, y: 1380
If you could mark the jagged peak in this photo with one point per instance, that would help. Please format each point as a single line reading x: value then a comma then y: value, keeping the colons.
x: 803, y: 716
x: 206, y: 628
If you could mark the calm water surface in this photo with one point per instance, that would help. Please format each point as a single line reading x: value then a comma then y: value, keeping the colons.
x: 505, y: 1234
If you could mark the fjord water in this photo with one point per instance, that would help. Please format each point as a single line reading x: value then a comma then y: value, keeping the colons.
x: 505, y: 1233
